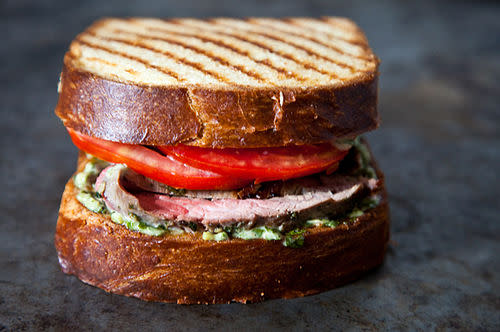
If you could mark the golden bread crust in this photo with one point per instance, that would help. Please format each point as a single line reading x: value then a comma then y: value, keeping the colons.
x: 188, y: 269
x: 240, y: 117
x: 207, y: 107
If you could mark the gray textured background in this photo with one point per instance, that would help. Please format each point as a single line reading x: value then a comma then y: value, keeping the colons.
x: 439, y: 146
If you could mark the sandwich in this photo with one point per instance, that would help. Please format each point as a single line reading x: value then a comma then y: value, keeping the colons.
x: 220, y: 160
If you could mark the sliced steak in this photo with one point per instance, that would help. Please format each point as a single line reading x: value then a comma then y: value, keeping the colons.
x: 325, y: 196
x: 136, y: 182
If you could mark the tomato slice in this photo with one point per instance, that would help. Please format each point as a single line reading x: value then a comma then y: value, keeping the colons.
x: 262, y: 164
x: 152, y: 164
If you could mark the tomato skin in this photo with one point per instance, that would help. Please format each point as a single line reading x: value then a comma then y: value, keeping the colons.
x: 261, y: 164
x: 196, y: 168
x: 152, y: 164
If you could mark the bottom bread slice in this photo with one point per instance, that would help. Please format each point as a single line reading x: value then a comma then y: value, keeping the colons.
x: 187, y: 269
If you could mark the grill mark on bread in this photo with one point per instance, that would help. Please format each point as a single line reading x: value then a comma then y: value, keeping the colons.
x: 262, y: 52
x: 284, y: 55
x: 329, y: 23
x: 254, y: 29
x: 106, y: 62
x: 221, y: 44
x: 130, y: 57
x: 210, y: 55
x: 282, y: 71
x: 242, y: 52
x: 139, y: 44
x: 357, y: 42
x: 267, y: 48
x: 266, y: 62
x: 305, y: 49
x: 362, y: 41
x: 291, y: 29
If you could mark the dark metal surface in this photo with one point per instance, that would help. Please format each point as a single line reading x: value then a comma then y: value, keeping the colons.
x: 439, y: 146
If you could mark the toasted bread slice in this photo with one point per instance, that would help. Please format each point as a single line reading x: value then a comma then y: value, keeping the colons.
x: 223, y: 53
x: 187, y: 269
x: 220, y: 82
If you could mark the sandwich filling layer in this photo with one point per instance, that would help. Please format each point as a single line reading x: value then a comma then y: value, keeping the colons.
x: 270, y: 210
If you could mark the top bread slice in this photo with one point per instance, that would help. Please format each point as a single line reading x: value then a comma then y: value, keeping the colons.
x: 254, y: 82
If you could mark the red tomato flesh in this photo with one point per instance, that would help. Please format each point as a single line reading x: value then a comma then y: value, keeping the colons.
x: 152, y: 164
x: 261, y: 164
